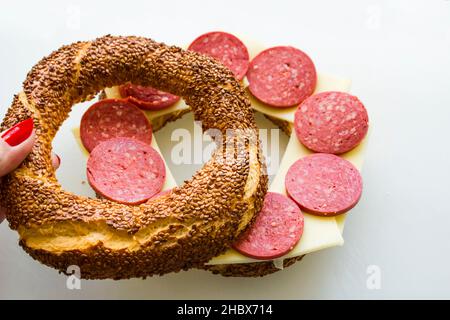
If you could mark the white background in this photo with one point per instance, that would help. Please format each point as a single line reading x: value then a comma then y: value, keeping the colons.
x: 398, y: 55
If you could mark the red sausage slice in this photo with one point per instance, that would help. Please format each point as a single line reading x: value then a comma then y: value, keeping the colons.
x: 112, y: 118
x: 225, y: 48
x: 147, y: 98
x: 331, y: 122
x: 126, y: 170
x: 276, y: 231
x: 282, y: 76
x: 324, y: 184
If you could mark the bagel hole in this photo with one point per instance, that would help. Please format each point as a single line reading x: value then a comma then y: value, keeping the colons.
x: 72, y: 172
x: 273, y: 149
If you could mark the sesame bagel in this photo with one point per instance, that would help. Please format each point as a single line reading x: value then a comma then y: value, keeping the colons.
x: 181, y: 230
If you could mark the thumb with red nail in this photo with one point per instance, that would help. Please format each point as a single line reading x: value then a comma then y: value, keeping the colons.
x: 15, y: 145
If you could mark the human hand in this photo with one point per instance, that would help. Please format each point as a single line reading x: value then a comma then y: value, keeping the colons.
x: 15, y: 145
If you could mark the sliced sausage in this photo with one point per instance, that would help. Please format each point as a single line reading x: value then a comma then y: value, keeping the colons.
x: 331, y: 122
x: 147, y: 98
x: 324, y: 184
x: 282, y: 76
x: 276, y: 230
x: 225, y: 48
x: 112, y: 118
x: 126, y: 170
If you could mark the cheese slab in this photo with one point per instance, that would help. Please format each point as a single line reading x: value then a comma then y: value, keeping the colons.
x: 319, y: 232
x: 355, y: 156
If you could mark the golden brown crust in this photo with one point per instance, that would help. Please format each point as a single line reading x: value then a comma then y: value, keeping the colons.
x: 184, y: 229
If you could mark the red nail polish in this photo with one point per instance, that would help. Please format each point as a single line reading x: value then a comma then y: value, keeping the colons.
x: 19, y: 133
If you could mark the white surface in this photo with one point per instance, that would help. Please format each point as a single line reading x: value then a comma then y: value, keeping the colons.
x: 397, y: 55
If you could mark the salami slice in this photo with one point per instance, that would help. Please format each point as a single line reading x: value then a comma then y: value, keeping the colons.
x: 331, y: 122
x: 126, y: 170
x: 282, y: 76
x: 225, y: 48
x: 276, y: 230
x: 324, y: 184
x: 112, y: 118
x: 147, y: 98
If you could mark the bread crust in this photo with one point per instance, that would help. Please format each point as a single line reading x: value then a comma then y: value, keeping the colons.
x: 181, y: 230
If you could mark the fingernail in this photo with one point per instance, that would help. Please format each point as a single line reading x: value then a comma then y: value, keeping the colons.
x: 59, y: 159
x: 19, y: 133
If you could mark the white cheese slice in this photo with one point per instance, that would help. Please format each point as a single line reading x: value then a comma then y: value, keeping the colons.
x: 356, y: 157
x: 319, y: 232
